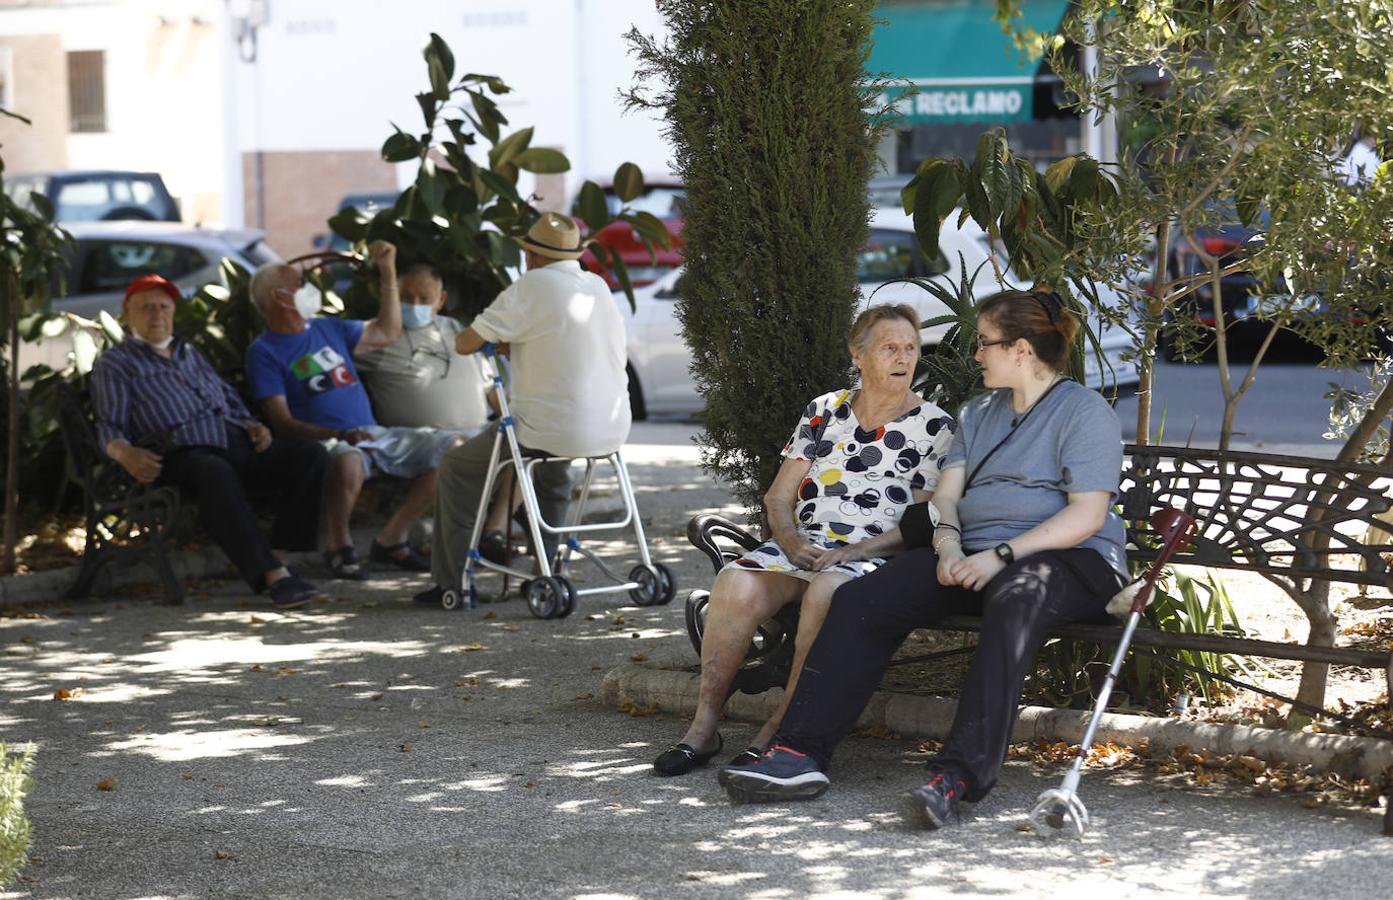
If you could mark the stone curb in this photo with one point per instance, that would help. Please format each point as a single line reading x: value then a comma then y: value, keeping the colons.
x: 674, y: 690
x: 52, y: 586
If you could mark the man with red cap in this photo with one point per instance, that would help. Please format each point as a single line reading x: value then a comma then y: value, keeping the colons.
x: 164, y: 414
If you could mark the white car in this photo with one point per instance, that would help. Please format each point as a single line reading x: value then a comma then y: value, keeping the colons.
x: 660, y: 380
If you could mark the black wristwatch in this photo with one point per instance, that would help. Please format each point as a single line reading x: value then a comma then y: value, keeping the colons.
x: 1004, y: 553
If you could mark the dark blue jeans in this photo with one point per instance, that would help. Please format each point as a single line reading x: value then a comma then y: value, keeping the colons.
x: 871, y: 616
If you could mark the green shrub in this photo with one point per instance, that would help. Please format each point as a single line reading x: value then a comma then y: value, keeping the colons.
x: 766, y: 106
x: 14, y: 826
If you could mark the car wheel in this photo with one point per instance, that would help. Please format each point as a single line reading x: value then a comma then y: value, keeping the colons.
x: 129, y: 213
x: 637, y: 410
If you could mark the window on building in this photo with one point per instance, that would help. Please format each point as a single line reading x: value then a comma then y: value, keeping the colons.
x: 87, y: 90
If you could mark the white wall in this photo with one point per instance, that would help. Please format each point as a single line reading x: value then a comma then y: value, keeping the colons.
x: 334, y: 74
x: 162, y: 83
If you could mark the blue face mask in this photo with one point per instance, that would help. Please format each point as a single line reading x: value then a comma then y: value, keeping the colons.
x: 414, y: 315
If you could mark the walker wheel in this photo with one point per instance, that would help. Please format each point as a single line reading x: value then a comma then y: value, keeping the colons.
x: 669, y: 584
x: 545, y: 597
x: 568, y: 604
x: 650, y: 585
x: 451, y: 599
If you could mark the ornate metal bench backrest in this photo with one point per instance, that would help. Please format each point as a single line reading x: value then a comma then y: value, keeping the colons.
x: 1278, y: 515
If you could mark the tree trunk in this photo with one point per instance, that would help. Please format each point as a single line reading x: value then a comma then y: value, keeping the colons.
x: 7, y: 564
x: 1314, y: 675
x: 1155, y: 306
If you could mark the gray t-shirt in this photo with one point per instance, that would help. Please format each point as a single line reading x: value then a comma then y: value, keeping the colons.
x: 421, y: 382
x: 1070, y: 443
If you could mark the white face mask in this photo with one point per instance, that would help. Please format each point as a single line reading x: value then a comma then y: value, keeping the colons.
x: 308, y: 301
x: 158, y: 345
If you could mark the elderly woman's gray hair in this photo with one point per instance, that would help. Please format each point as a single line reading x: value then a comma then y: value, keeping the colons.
x: 264, y: 281
x: 861, y: 328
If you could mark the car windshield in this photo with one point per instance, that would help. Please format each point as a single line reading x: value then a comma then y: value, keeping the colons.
x: 259, y: 253
x: 107, y: 197
x: 663, y: 202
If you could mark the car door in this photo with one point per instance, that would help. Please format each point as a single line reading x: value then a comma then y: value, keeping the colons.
x: 659, y: 354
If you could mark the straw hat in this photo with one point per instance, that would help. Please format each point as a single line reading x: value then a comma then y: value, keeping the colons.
x: 554, y: 236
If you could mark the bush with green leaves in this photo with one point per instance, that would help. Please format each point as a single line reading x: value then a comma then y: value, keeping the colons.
x: 32, y: 250
x: 766, y: 107
x: 15, y: 783
x: 461, y: 213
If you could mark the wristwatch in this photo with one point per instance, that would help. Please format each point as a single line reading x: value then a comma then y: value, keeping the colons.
x: 1004, y: 553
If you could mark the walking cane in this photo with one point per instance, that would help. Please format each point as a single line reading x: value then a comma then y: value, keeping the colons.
x: 1059, y: 806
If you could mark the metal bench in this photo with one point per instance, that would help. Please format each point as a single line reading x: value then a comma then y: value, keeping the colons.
x: 126, y: 522
x: 1301, y: 523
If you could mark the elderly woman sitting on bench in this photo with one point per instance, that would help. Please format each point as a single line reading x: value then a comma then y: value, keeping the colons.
x: 857, y: 459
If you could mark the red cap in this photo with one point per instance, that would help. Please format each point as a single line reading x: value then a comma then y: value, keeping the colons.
x: 151, y: 282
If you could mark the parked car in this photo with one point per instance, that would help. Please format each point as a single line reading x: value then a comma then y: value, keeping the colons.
x: 660, y: 381
x: 370, y: 202
x: 663, y: 199
x: 110, y: 254
x: 97, y: 196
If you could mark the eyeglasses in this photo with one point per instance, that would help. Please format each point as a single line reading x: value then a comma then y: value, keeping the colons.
x: 982, y: 345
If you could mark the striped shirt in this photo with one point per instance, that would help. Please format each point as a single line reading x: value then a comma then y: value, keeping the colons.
x: 181, y: 402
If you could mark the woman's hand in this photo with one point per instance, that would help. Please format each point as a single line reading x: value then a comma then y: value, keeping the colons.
x: 837, y: 555
x: 948, y: 557
x: 973, y: 572
x: 800, y: 551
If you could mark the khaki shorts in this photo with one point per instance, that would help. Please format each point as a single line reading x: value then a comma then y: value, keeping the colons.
x: 401, y: 452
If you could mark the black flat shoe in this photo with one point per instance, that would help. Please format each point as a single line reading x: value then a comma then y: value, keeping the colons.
x: 679, y: 759
x: 748, y: 756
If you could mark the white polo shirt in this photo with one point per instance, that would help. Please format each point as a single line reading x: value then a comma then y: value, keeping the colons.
x: 570, y: 391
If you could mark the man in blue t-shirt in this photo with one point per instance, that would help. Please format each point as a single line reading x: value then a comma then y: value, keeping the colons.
x: 300, y: 369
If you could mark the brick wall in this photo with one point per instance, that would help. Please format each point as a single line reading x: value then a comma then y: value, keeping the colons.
x: 300, y: 190
x: 40, y: 91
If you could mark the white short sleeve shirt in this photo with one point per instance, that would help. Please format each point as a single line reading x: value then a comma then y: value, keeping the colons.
x: 570, y: 391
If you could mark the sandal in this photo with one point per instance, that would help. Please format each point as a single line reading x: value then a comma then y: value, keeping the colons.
x: 343, y: 563
x: 399, y: 555
x: 679, y: 759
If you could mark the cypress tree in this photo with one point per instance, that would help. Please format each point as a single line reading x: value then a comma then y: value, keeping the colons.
x: 770, y: 114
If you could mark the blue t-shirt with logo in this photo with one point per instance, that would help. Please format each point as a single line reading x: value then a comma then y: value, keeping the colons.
x: 314, y: 370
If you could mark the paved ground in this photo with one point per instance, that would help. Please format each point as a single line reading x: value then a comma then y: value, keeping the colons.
x: 368, y: 748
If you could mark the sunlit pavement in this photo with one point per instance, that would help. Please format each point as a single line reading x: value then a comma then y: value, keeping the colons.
x: 367, y: 747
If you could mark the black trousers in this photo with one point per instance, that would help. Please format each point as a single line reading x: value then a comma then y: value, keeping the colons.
x: 217, y: 480
x: 871, y: 616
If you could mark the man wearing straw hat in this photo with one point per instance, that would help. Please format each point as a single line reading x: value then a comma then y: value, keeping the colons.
x: 570, y: 390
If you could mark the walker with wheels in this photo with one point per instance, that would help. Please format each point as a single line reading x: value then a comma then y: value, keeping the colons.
x: 550, y: 594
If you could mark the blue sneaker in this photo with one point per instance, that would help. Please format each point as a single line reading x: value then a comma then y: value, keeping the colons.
x: 935, y: 805
x: 782, y: 773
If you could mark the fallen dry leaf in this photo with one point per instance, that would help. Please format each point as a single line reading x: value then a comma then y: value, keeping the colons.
x: 467, y: 648
x: 490, y: 615
x: 255, y: 667
x: 222, y: 854
x: 257, y: 620
x: 106, y: 784
x: 1024, y: 827
x: 530, y: 784
x: 404, y: 748
x: 1105, y: 860
x: 286, y: 670
x: 585, y: 695
x: 65, y: 694
x: 423, y: 724
x: 188, y: 776
x: 377, y: 696
x: 639, y: 657
x: 512, y: 627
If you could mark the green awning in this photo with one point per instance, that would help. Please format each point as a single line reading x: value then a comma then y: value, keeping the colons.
x: 966, y: 68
